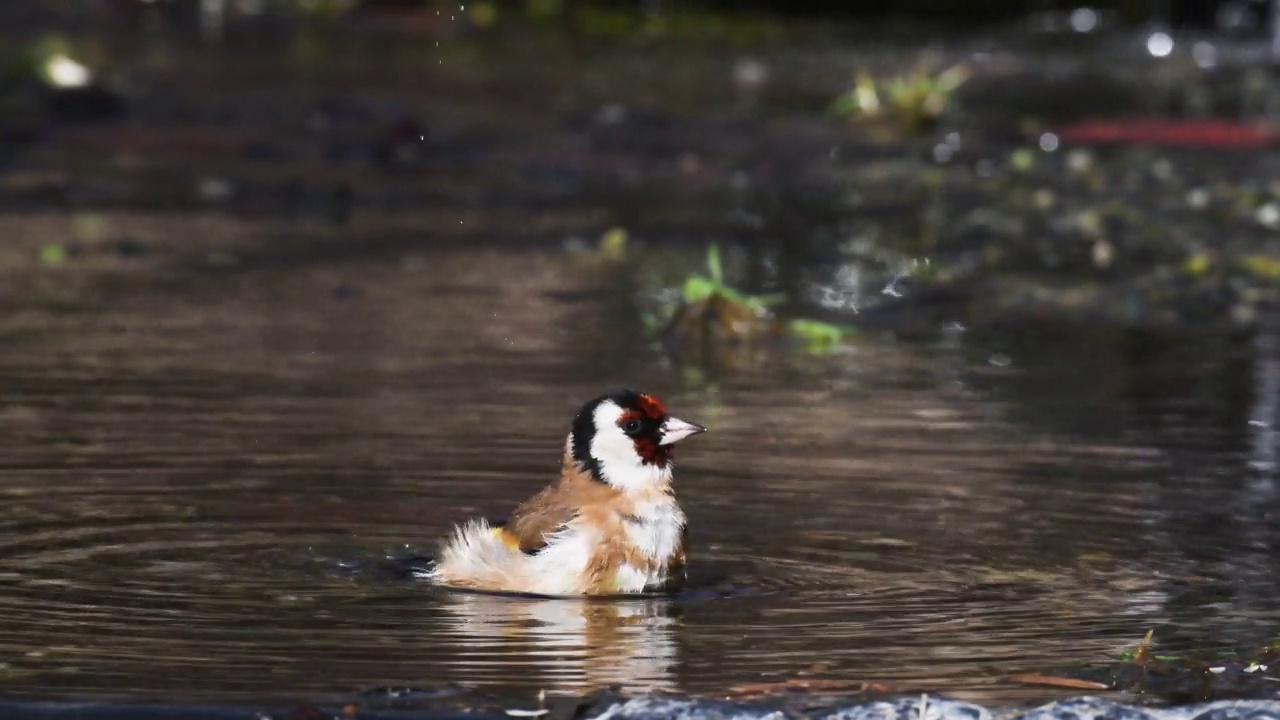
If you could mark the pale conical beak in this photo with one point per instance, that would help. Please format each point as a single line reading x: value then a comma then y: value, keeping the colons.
x: 674, y: 430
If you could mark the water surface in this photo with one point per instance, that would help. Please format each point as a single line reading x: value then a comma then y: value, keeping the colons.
x: 197, y: 480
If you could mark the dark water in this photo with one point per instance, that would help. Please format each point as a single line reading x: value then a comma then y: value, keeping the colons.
x: 202, y: 472
x: 197, y: 479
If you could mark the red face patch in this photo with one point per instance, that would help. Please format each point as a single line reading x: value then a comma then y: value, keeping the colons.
x: 652, y: 453
x: 652, y: 407
x: 645, y: 436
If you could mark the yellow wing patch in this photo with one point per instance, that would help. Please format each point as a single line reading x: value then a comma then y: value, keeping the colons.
x: 511, y: 541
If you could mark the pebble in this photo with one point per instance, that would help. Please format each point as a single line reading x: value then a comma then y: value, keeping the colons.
x: 928, y: 707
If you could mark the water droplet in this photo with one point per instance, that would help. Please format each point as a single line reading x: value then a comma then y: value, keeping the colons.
x: 1268, y: 216
x: 1198, y: 198
x: 65, y: 72
x: 1079, y: 160
x: 1159, y: 44
x: 1205, y: 54
x: 1084, y: 19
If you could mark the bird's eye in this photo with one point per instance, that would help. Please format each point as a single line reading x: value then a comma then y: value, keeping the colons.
x: 631, y: 427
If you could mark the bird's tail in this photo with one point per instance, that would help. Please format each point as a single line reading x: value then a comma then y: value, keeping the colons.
x: 480, y: 556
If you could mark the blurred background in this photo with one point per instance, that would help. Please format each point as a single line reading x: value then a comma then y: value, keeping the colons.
x: 978, y: 299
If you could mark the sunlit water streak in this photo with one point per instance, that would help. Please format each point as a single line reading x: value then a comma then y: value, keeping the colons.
x: 199, y: 483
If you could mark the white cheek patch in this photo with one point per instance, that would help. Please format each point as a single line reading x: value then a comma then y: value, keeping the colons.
x: 610, y: 445
x: 620, y: 465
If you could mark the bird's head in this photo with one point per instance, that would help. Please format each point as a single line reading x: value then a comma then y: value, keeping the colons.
x: 625, y: 439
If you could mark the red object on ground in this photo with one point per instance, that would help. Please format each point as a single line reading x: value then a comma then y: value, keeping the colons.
x: 1184, y: 133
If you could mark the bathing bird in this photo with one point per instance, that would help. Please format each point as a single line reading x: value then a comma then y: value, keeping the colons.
x: 608, y: 525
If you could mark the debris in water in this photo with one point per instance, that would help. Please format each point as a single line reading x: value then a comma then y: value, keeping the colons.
x: 709, y: 314
x: 1142, y: 656
x: 826, y: 686
x: 1054, y: 681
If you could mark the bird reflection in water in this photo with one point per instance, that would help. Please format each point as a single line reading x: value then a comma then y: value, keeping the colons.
x: 577, y: 644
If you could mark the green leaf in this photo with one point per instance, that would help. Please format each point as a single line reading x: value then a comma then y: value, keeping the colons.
x: 713, y: 264
x: 817, y: 330
x: 952, y: 78
x: 613, y: 243
x: 1022, y: 159
x: 698, y: 288
x: 1263, y: 266
x: 733, y: 296
x: 845, y: 104
x: 53, y: 254
x: 819, y: 337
